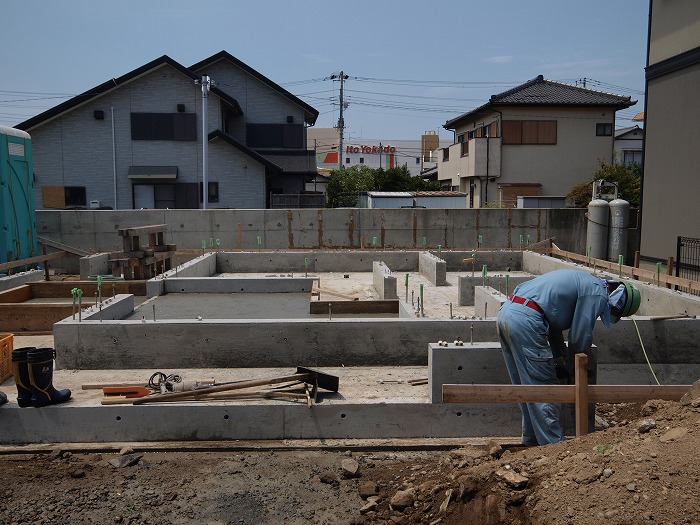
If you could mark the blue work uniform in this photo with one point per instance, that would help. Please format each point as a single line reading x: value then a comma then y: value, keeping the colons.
x: 530, y: 327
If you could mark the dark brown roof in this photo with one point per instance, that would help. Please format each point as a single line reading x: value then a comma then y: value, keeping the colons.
x: 541, y: 92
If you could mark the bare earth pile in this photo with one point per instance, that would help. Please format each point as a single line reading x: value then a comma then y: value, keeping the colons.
x: 643, y: 469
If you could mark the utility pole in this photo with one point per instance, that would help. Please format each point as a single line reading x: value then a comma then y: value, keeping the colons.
x: 206, y: 83
x: 341, y: 122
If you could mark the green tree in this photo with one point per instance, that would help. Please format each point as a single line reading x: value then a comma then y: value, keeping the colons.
x: 347, y: 183
x: 628, y: 182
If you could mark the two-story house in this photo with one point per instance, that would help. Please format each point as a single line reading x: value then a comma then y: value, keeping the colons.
x: 137, y: 141
x: 539, y: 138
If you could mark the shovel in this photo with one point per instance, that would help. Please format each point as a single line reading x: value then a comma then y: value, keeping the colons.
x: 308, y: 375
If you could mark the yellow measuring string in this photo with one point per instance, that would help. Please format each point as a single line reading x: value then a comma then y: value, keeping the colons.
x: 645, y: 352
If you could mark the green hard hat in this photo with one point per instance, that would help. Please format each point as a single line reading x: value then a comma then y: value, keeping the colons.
x: 633, y: 299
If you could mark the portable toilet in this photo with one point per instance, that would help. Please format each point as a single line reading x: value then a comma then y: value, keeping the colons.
x: 18, y: 232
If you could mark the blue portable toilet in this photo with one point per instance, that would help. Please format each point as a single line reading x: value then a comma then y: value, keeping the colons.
x: 18, y: 233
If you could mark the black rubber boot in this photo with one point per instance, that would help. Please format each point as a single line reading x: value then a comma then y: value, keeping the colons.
x: 3, y: 398
x: 21, y: 373
x: 40, y: 364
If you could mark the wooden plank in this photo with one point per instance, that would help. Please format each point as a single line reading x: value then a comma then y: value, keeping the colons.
x: 18, y: 318
x: 491, y: 393
x: 142, y: 230
x: 354, y: 307
x: 628, y: 271
x: 16, y: 295
x: 581, y: 393
x: 32, y: 260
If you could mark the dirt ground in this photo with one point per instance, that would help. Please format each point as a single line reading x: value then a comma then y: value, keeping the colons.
x: 644, y: 468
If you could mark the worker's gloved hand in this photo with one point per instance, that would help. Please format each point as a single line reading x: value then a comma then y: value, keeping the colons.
x: 562, y: 374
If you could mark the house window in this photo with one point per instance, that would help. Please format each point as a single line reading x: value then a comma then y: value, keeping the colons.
x: 163, y: 126
x: 460, y: 138
x: 417, y: 160
x: 362, y: 160
x: 75, y: 196
x: 529, y: 131
x: 275, y: 135
x: 631, y: 157
x: 465, y: 149
x: 603, y: 129
x: 213, y: 191
x: 347, y: 160
x: 445, y: 154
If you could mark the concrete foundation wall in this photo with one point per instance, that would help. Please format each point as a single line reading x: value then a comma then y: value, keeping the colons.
x: 233, y: 285
x: 495, y: 260
x: 113, y: 308
x: 256, y: 344
x: 179, y: 422
x: 340, y: 342
x: 18, y: 279
x: 383, y: 281
x: 96, y: 230
x: 466, y: 285
x: 433, y: 268
x: 487, y: 301
x: 656, y: 300
x: 200, y: 266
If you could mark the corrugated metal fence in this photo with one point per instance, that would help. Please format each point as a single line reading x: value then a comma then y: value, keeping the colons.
x: 688, y: 260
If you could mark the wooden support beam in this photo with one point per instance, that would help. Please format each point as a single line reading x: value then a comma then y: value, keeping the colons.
x: 627, y: 271
x: 581, y: 393
x: 142, y: 230
x: 32, y: 260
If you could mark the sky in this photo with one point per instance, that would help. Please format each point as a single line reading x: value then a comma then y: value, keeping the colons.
x: 411, y: 65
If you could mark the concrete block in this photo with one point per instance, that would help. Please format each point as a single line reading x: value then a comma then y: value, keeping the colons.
x: 433, y: 268
x: 384, y: 282
x: 97, y: 264
x: 487, y: 302
x: 466, y: 284
x: 18, y: 279
x: 478, y: 363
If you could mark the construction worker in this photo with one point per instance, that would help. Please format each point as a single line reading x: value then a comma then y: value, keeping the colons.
x: 530, y: 326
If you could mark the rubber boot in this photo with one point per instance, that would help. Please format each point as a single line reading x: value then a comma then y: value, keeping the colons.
x: 3, y: 398
x: 40, y: 364
x: 21, y: 373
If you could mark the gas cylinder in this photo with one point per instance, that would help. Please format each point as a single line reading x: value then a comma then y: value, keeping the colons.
x: 597, y: 231
x: 619, y: 224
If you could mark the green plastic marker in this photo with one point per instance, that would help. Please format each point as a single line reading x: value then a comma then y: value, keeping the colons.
x: 658, y: 273
x: 481, y: 240
x: 422, y: 312
x: 483, y: 274
x: 204, y: 244
x: 374, y: 241
x: 211, y: 242
x: 439, y: 248
x: 528, y: 240
x: 218, y: 243
x: 473, y: 262
x: 521, y: 241
x: 425, y: 241
x: 589, y: 256
x: 620, y: 260
x: 99, y: 287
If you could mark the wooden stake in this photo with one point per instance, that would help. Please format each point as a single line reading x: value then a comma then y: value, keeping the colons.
x: 581, y: 393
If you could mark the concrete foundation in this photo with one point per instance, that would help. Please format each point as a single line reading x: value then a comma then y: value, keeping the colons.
x: 433, y: 268
x: 467, y: 283
x: 469, y: 363
x: 18, y: 279
x: 384, y: 282
x: 487, y: 302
